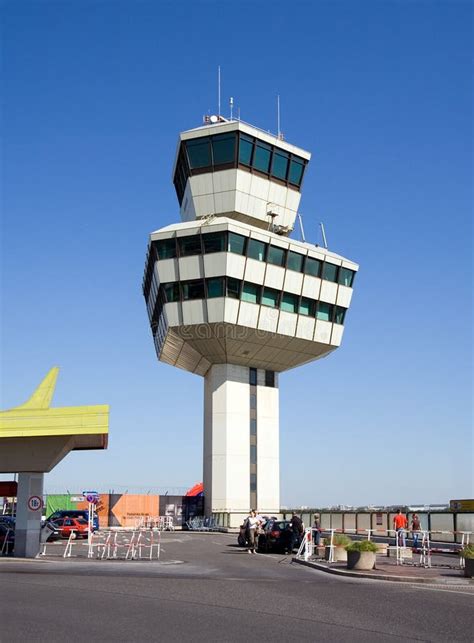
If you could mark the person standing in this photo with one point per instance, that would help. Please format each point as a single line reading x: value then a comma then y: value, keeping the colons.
x: 400, y: 523
x: 415, y: 529
x: 252, y: 525
x: 316, y: 530
x: 297, y: 530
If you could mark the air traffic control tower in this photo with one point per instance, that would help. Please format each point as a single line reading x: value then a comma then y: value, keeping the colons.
x: 233, y: 299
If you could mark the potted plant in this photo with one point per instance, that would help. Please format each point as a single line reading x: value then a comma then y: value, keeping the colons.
x: 468, y: 554
x: 361, y: 555
x: 340, y: 541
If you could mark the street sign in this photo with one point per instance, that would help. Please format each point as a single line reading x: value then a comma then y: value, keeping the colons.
x: 35, y: 503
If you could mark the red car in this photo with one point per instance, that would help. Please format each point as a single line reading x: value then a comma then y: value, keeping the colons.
x: 79, y: 526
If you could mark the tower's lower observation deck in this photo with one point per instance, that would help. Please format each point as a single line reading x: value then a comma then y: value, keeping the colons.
x: 226, y: 292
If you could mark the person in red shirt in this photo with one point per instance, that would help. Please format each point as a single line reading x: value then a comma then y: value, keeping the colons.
x: 400, y: 523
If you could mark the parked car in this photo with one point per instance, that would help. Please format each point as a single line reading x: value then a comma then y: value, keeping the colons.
x: 74, y: 513
x: 7, y: 520
x: 65, y: 526
x: 242, y: 538
x: 276, y: 536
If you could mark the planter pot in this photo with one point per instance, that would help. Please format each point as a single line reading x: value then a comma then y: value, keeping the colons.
x: 340, y: 554
x: 469, y: 567
x: 360, y: 560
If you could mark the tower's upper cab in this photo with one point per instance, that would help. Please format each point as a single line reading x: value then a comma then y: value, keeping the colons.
x: 235, y: 170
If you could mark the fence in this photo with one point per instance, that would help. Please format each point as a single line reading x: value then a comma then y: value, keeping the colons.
x: 309, y: 549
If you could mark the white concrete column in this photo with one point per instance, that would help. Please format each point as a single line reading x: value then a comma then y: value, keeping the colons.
x: 227, y: 443
x: 28, y: 514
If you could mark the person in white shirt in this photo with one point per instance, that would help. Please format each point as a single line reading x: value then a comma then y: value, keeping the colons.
x: 253, y: 522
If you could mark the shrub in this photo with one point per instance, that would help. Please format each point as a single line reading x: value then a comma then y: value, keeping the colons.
x: 340, y: 540
x: 467, y: 551
x: 362, y: 545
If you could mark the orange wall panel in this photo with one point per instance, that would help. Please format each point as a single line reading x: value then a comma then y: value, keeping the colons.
x: 126, y: 510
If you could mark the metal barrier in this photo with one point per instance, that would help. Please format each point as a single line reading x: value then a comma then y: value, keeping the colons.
x: 5, y: 551
x: 201, y: 523
x: 162, y: 523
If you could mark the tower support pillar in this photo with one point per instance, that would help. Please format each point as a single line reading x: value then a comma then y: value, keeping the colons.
x: 241, y: 443
x: 28, y: 514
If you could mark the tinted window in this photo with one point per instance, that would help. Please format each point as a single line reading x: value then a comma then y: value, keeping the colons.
x: 253, y: 401
x: 171, y: 292
x: 276, y: 255
x: 236, y: 243
x: 165, y: 248
x: 306, y: 307
x: 339, y: 315
x: 296, y: 172
x: 233, y: 287
x: 329, y: 271
x: 312, y: 267
x: 280, y: 165
x: 295, y: 261
x: 346, y: 277
x: 253, y: 454
x: 256, y: 250
x: 215, y: 287
x: 253, y: 376
x: 270, y: 297
x: 199, y: 153
x: 270, y: 378
x: 193, y: 290
x: 253, y: 426
x: 223, y: 148
x: 261, y: 159
x: 253, y: 482
x: 250, y: 292
x: 245, y: 150
x: 214, y: 242
x: 289, y: 302
x: 189, y: 245
x: 324, y: 311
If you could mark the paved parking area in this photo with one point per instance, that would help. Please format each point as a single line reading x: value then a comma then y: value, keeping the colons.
x: 204, y: 587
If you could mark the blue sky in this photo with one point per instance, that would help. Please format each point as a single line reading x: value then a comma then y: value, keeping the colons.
x: 95, y: 94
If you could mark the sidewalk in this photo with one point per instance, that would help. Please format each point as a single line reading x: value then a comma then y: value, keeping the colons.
x: 445, y: 570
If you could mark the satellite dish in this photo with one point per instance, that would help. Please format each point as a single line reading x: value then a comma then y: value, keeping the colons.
x: 214, y: 119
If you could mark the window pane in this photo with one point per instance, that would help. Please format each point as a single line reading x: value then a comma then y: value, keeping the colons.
x: 329, y: 271
x: 256, y: 250
x: 215, y: 287
x: 245, y: 150
x: 253, y: 376
x: 261, y: 159
x: 236, y: 243
x: 295, y: 261
x: 214, y: 242
x: 270, y: 297
x: 165, y: 248
x: 233, y: 287
x: 253, y: 482
x: 251, y: 293
x: 296, y: 172
x: 324, y: 311
x: 223, y: 148
x: 312, y: 267
x: 253, y: 454
x: 279, y: 165
x: 253, y: 401
x: 171, y: 292
x: 199, y: 153
x: 346, y: 277
x: 193, y: 290
x: 253, y: 426
x: 339, y: 315
x: 276, y: 256
x: 307, y: 307
x: 289, y: 302
x: 189, y: 245
x: 270, y: 378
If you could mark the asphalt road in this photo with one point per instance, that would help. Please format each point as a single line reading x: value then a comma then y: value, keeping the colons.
x: 204, y: 588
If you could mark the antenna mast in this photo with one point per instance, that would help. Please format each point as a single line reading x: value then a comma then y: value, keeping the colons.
x: 278, y: 117
x: 219, y: 90
x: 321, y: 225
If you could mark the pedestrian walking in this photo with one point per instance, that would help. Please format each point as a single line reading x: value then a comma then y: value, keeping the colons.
x: 400, y: 524
x: 253, y: 523
x: 415, y: 529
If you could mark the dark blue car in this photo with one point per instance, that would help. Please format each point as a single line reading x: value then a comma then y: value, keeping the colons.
x: 75, y: 513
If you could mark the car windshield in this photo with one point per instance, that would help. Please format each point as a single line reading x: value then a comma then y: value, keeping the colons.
x: 81, y: 521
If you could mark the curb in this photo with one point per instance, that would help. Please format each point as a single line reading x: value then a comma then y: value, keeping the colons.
x: 386, y: 577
